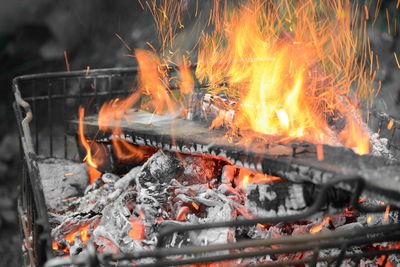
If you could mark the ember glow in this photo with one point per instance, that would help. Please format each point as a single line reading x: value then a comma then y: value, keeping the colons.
x: 319, y: 226
x: 137, y: 230
x: 81, y: 233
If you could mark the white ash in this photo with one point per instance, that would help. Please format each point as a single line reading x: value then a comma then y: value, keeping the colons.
x: 379, y: 146
x: 269, y: 200
x: 220, y: 212
x: 157, y: 191
x: 61, y: 180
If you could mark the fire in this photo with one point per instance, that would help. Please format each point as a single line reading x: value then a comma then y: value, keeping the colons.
x: 386, y: 214
x: 290, y: 65
x: 93, y: 160
x: 93, y: 174
x: 247, y: 176
x: 89, y: 158
x: 81, y: 232
x: 318, y: 227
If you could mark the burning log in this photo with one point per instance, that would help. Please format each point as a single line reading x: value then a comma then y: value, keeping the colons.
x: 280, y: 199
x: 296, y: 162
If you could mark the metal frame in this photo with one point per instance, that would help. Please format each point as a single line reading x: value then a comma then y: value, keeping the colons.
x: 88, y: 84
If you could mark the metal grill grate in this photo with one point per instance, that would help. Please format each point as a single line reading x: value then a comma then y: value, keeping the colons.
x: 45, y: 103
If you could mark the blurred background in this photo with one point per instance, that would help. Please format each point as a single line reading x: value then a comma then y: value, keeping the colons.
x: 34, y: 35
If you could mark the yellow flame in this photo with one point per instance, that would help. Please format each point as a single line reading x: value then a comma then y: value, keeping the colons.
x: 290, y: 67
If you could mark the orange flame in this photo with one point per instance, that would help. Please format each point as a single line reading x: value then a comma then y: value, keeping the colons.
x: 153, y: 81
x: 92, y: 160
x: 89, y: 159
x: 288, y: 65
x: 386, y: 214
x: 93, y: 174
x: 318, y: 227
x: 290, y: 68
x: 187, y: 81
x: 247, y: 176
x: 82, y: 232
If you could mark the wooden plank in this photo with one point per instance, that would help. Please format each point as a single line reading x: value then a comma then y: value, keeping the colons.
x: 296, y: 162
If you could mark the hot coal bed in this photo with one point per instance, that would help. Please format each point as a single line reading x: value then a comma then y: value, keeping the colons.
x: 190, y: 197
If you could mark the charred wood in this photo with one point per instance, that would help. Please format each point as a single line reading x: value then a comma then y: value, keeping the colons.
x: 295, y: 162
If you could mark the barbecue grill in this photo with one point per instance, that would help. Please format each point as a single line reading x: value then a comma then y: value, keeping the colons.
x: 44, y: 105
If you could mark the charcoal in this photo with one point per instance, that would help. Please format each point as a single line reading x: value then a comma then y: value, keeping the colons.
x: 77, y: 246
x: 298, y: 167
x: 206, y: 107
x: 200, y: 169
x: 274, y: 199
x: 128, y: 179
x: 62, y: 179
x: 151, y: 182
x: 171, y: 187
x: 161, y: 168
x: 350, y: 226
x: 176, y: 239
x: 338, y: 220
x: 95, y: 200
x: 109, y: 178
x: 214, y: 235
x: 115, y: 223
x: 379, y: 146
x: 96, y: 185
x: 74, y: 223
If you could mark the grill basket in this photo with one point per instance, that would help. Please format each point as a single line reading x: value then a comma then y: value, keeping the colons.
x: 44, y: 104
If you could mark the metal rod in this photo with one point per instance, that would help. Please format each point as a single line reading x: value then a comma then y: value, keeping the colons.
x: 50, y: 122
x: 65, y: 117
x: 327, y: 237
x: 35, y: 113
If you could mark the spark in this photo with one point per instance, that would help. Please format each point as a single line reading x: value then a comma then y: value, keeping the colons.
x: 123, y: 42
x: 66, y: 61
x: 320, y: 152
x: 397, y: 60
x: 386, y: 215
x: 390, y: 124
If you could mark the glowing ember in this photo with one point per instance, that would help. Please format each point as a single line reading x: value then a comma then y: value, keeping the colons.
x: 386, y: 214
x: 195, y: 205
x: 81, y: 233
x: 318, y: 227
x: 137, y: 231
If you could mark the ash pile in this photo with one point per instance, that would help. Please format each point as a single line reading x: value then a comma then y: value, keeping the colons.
x: 125, y: 213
